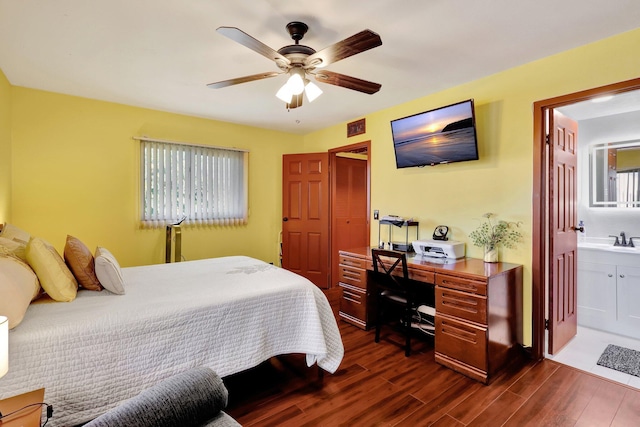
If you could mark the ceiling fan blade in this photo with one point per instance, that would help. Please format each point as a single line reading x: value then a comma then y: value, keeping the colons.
x: 245, y: 79
x: 348, y: 82
x: 245, y: 39
x: 350, y: 46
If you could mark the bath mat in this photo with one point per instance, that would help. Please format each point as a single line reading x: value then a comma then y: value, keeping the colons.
x: 621, y: 359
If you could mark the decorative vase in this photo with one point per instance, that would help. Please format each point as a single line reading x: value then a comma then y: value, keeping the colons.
x: 490, y: 254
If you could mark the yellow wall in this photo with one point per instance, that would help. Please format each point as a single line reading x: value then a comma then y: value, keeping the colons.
x: 501, y: 181
x: 75, y: 165
x: 75, y: 171
x: 5, y: 149
x: 628, y: 159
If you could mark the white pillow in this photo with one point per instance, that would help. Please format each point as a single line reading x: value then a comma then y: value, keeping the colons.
x: 108, y: 271
x: 11, y: 232
x: 18, y: 286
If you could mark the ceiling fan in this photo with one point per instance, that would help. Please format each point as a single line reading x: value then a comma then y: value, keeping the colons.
x: 300, y: 61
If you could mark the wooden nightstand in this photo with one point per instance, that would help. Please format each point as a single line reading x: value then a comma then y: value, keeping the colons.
x: 30, y: 417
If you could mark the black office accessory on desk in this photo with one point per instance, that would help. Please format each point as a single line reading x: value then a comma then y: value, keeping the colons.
x: 441, y: 232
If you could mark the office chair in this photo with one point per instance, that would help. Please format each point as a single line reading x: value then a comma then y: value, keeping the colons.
x: 393, y: 289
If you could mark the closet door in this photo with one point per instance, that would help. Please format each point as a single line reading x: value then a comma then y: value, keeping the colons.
x: 349, y: 208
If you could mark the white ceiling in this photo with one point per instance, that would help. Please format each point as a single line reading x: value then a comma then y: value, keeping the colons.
x: 160, y: 54
x: 618, y: 104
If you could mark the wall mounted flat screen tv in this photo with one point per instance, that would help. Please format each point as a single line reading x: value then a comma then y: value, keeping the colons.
x: 443, y: 135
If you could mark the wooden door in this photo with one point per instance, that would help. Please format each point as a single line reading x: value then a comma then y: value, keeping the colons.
x: 305, y: 216
x: 349, y: 208
x: 563, y: 241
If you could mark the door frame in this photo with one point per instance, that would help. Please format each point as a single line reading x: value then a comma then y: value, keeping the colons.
x: 540, y: 247
x: 357, y: 147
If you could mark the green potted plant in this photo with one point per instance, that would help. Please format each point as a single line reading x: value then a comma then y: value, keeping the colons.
x: 492, y: 233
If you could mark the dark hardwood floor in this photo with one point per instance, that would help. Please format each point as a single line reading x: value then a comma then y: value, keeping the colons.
x: 376, y: 385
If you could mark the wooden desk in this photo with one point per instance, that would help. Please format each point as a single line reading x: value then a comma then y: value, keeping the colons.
x: 478, y: 307
x: 30, y: 417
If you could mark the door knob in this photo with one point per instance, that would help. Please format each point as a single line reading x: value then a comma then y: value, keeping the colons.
x: 285, y: 219
x: 580, y: 229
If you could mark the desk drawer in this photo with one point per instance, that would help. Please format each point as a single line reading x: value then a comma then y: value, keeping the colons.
x: 460, y: 284
x: 461, y: 304
x: 461, y: 341
x: 353, y: 276
x: 354, y: 301
x: 422, y: 276
x: 353, y: 262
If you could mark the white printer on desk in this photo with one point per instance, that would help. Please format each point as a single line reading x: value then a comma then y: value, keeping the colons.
x: 438, y: 249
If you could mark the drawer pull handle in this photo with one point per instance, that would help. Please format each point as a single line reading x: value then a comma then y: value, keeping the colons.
x: 459, y: 333
x: 350, y: 275
x: 465, y: 304
x: 471, y: 310
x: 467, y: 286
x: 461, y: 300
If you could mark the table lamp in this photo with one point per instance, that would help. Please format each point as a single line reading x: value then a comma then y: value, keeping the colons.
x: 4, y: 345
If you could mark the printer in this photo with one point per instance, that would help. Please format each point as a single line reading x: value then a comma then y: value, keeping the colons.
x: 450, y: 249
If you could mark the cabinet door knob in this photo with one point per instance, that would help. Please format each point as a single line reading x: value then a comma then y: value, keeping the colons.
x: 622, y: 276
x: 610, y: 275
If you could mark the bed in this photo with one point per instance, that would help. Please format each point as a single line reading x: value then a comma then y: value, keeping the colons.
x: 229, y: 314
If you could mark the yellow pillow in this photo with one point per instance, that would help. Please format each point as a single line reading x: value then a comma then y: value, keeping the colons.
x: 55, y: 277
x: 13, y: 247
x: 18, y: 286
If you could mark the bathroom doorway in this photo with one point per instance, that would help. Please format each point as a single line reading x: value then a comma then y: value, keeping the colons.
x: 574, y: 106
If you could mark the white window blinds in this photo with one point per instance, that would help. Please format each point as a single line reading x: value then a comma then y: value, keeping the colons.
x: 628, y: 186
x: 204, y: 185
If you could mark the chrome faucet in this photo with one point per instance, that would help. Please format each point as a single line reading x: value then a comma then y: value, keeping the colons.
x: 623, y: 240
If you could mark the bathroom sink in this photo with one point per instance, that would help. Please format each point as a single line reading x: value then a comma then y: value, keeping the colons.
x: 601, y: 250
x: 608, y: 247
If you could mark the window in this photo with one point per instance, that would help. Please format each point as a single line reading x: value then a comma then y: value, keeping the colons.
x: 203, y: 185
x: 628, y: 188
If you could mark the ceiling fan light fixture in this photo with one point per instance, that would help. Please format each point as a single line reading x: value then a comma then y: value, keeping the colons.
x: 284, y: 93
x: 312, y: 90
x: 296, y: 81
x: 296, y: 101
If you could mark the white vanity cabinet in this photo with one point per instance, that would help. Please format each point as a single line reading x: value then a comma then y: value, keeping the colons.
x: 597, y: 295
x: 609, y: 290
x: 628, y: 283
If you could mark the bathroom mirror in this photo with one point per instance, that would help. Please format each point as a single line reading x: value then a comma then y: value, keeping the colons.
x: 615, y: 174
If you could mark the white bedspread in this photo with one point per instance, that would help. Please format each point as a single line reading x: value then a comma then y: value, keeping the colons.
x: 229, y: 314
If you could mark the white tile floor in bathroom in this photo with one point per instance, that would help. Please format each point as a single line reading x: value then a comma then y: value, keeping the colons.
x: 584, y: 350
